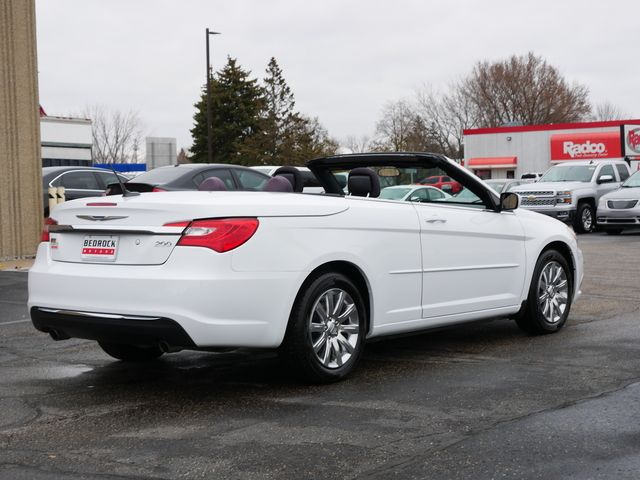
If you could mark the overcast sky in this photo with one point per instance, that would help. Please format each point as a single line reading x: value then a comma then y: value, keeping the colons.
x: 343, y: 59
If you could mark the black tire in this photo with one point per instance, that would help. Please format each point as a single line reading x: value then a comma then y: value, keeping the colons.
x: 298, y: 345
x: 585, y: 218
x: 614, y: 231
x: 131, y: 353
x: 533, y: 319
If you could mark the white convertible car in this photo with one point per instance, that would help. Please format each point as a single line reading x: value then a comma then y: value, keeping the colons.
x: 314, y: 276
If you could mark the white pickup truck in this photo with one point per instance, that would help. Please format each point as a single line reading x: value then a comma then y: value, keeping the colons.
x: 570, y: 191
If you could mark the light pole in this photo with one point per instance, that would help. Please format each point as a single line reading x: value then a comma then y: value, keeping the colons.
x: 209, y: 151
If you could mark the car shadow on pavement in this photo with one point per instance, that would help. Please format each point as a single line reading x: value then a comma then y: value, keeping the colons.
x: 203, y: 375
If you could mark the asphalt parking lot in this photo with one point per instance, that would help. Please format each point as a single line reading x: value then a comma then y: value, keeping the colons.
x: 476, y: 402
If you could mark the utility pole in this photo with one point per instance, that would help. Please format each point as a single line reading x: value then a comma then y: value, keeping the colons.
x: 209, y: 150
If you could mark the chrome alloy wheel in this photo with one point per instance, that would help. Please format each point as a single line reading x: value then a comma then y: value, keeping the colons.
x: 334, y: 328
x: 587, y: 219
x: 553, y: 292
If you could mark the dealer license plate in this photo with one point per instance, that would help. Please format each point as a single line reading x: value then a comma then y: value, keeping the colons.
x: 103, y: 248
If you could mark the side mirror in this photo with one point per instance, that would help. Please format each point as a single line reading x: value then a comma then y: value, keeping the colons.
x: 509, y: 201
x: 605, y: 178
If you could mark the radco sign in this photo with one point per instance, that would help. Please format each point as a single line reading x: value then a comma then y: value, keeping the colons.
x: 581, y: 146
x: 632, y: 140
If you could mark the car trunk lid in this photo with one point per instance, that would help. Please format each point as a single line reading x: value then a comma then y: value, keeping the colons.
x: 133, y: 230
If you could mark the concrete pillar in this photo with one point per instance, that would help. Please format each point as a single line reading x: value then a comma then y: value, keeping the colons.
x: 20, y: 165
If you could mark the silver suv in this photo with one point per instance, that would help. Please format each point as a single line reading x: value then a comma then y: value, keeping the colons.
x: 570, y: 191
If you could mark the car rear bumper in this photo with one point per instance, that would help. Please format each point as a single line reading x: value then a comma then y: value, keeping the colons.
x: 63, y: 324
x: 196, y: 289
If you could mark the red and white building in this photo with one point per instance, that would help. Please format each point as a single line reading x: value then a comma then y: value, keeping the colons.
x: 509, y: 152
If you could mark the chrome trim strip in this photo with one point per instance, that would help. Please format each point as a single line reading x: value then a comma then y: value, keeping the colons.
x: 79, y: 313
x: 106, y: 230
x: 454, y: 269
x: 470, y: 267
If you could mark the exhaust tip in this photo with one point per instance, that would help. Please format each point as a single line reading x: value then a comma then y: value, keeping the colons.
x: 166, y: 348
x: 57, y: 335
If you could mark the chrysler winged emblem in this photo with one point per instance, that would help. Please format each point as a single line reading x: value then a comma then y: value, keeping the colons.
x: 100, y: 218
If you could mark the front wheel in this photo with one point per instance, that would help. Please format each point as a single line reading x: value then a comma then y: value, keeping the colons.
x: 325, y: 335
x: 131, y: 353
x: 584, y: 222
x: 550, y: 295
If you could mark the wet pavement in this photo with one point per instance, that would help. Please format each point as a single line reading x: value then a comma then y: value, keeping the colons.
x: 479, y: 402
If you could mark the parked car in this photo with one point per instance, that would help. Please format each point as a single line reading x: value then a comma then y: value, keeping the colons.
x: 570, y: 191
x: 413, y: 193
x: 505, y: 184
x: 442, y: 182
x: 499, y: 185
x: 315, y: 276
x: 189, y: 176
x: 534, y: 176
x: 310, y: 183
x: 78, y: 182
x: 620, y: 209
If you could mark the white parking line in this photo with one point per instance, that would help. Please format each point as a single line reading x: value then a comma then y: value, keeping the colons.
x: 15, y: 321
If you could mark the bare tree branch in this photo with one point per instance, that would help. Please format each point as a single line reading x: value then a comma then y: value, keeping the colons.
x: 116, y: 135
x: 607, y: 111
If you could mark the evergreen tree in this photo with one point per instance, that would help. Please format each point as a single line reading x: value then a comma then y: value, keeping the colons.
x: 313, y: 141
x: 237, y: 103
x: 281, y: 122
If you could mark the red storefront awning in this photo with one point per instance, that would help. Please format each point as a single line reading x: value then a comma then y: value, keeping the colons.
x: 492, y: 162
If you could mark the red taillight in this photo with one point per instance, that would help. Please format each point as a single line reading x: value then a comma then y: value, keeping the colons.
x: 102, y: 204
x: 186, y: 223
x: 45, y: 229
x: 220, y: 235
x: 158, y: 189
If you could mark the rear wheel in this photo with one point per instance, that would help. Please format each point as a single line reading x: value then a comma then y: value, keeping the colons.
x: 584, y: 222
x: 325, y: 335
x: 549, y: 299
x: 131, y: 353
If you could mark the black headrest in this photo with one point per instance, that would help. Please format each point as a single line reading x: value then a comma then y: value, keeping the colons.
x: 364, y: 182
x: 293, y: 175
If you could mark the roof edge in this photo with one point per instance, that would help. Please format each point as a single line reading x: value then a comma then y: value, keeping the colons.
x: 549, y: 126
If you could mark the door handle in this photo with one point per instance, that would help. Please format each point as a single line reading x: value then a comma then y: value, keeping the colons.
x: 435, y: 220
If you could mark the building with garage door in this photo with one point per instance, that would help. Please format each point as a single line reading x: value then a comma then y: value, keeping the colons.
x: 510, y: 152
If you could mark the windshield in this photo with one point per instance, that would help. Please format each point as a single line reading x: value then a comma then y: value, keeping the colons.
x: 391, y: 193
x: 569, y: 173
x: 465, y: 196
x: 266, y: 170
x: 632, y: 181
x: 398, y: 182
x: 496, y: 185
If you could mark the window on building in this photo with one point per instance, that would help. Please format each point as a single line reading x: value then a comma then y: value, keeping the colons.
x: 511, y: 174
x: 483, y: 174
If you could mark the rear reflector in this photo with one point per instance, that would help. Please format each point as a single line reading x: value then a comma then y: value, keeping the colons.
x: 45, y: 229
x: 220, y: 235
x: 158, y: 189
x: 102, y: 204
